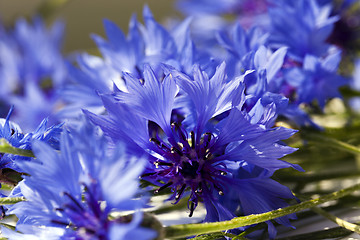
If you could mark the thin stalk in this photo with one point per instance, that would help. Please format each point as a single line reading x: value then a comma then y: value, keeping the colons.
x: 5, y: 147
x: 331, y: 142
x: 342, y: 223
x: 214, y: 236
x: 332, y: 233
x: 184, y: 230
x: 11, y: 200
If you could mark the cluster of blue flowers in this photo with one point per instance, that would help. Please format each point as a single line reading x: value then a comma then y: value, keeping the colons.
x: 191, y: 111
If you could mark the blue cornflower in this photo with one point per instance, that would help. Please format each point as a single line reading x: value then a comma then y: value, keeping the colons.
x: 12, y: 133
x: 241, y: 46
x: 355, y: 84
x: 317, y: 79
x: 92, y: 76
x: 83, y: 202
x: 303, y: 26
x: 28, y: 77
x: 257, y: 193
x: 149, y: 43
x: 247, y: 12
x: 238, y: 7
x: 191, y: 129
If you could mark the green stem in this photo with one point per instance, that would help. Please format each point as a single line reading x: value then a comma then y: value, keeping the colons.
x: 342, y: 223
x: 213, y: 236
x: 5, y: 147
x: 332, y: 233
x: 317, y: 138
x: 184, y: 230
x: 11, y: 200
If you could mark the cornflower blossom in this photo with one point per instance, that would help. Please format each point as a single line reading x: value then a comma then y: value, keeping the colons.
x: 28, y: 78
x: 149, y: 43
x: 355, y: 84
x: 12, y: 133
x: 83, y: 202
x: 247, y: 12
x: 306, y: 80
x: 303, y: 26
x: 92, y: 76
x: 317, y: 79
x: 241, y: 46
x: 193, y: 130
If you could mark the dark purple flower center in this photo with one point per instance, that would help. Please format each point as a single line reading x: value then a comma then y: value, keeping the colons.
x: 187, y: 163
x: 86, y: 218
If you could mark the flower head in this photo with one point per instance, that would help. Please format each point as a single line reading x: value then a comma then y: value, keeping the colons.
x: 317, y: 79
x: 193, y: 129
x: 303, y: 26
x: 79, y: 201
x: 29, y: 78
x: 13, y: 134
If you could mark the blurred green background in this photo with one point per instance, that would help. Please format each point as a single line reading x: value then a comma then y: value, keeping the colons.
x: 83, y: 17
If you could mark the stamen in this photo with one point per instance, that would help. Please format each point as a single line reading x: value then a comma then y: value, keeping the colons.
x: 199, y: 188
x: 192, y: 135
x: 163, y: 187
x: 178, y: 195
x: 155, y: 140
x: 192, y: 208
x: 208, y: 139
x: 2, y: 212
x: 164, y: 163
x: 147, y: 174
x: 208, y: 155
x: 74, y: 200
x: 179, y: 130
x: 59, y: 222
x: 159, y: 144
x: 93, y: 204
x: 174, y: 149
x: 59, y: 209
x: 223, y: 173
x: 221, y: 193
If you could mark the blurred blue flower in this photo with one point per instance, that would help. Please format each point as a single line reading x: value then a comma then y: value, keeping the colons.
x: 303, y: 26
x: 355, y: 84
x: 191, y: 128
x: 241, y: 46
x: 150, y: 43
x: 79, y: 196
x: 29, y: 77
x: 317, y: 79
x: 246, y: 10
x: 12, y: 133
x: 92, y: 76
